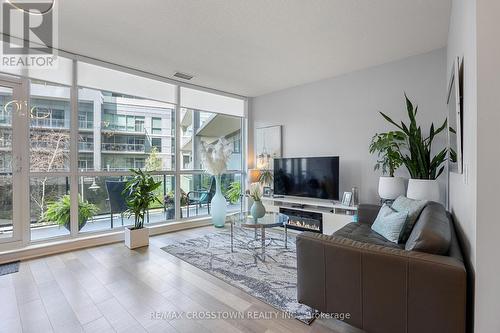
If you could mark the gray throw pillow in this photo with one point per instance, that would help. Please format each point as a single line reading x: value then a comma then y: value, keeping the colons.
x: 413, y: 208
x: 389, y: 223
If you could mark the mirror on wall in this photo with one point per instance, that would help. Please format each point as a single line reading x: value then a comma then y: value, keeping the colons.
x: 455, y: 117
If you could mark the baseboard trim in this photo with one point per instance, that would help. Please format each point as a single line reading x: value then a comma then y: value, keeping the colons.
x: 59, y: 246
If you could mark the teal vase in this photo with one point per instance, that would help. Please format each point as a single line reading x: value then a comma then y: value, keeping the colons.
x: 257, y: 210
x: 218, y: 205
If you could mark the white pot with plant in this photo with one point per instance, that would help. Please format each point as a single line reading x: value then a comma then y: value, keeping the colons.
x: 139, y: 193
x: 416, y: 155
x: 257, y: 210
x: 387, y: 146
x: 215, y: 158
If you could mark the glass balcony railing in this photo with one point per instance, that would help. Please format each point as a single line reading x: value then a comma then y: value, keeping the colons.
x: 5, y: 119
x: 85, y: 146
x: 123, y: 147
x: 85, y: 124
x: 138, y: 128
x: 50, y: 123
x: 50, y: 146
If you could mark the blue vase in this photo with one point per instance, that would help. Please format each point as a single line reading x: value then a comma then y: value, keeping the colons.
x: 218, y: 205
x: 257, y: 210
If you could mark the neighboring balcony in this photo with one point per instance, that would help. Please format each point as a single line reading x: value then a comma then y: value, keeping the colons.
x: 123, y: 147
x: 110, y: 127
x: 49, y: 123
x: 5, y: 143
x: 5, y: 119
x: 85, y: 146
x: 85, y: 124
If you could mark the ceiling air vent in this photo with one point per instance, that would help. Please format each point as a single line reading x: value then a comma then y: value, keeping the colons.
x: 183, y: 76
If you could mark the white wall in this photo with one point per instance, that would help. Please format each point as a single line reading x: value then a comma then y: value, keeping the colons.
x: 462, y: 43
x: 338, y: 116
x: 463, y: 187
x: 487, y: 306
x: 474, y: 196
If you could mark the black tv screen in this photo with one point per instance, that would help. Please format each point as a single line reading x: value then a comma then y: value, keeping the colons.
x: 313, y: 177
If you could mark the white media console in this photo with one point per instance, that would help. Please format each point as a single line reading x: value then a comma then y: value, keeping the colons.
x: 333, y: 215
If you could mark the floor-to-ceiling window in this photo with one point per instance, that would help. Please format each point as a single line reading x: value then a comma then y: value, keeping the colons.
x: 49, y: 151
x: 6, y: 177
x: 204, y: 119
x: 199, y: 128
x: 85, y: 133
x: 123, y: 137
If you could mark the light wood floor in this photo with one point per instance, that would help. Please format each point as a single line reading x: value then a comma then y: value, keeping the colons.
x: 112, y: 289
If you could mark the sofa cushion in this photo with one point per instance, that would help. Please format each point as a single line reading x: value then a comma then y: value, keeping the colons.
x: 389, y: 223
x: 432, y: 231
x: 413, y: 208
x: 363, y: 233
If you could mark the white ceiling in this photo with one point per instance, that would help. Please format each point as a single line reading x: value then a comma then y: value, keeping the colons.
x: 252, y: 47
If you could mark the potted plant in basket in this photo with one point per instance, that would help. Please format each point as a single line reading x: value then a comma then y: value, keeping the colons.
x: 416, y: 155
x: 140, y: 194
x: 59, y: 211
x: 215, y: 158
x: 387, y: 146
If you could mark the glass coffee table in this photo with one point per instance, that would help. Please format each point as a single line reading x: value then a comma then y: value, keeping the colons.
x: 270, y: 220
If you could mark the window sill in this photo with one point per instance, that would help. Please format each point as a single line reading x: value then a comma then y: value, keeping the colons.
x: 84, y: 241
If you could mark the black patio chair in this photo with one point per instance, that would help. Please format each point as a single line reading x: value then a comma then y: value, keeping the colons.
x: 201, y: 197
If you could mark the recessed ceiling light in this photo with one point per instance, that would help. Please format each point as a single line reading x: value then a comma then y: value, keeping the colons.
x: 183, y: 76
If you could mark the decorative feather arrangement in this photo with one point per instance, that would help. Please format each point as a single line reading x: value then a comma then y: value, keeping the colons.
x: 216, y: 156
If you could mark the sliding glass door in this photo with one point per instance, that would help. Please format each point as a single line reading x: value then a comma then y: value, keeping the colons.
x: 12, y: 164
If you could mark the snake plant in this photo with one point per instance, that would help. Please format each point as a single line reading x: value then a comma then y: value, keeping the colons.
x: 416, y: 151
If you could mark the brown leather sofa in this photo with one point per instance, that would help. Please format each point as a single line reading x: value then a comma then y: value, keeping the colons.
x: 416, y: 287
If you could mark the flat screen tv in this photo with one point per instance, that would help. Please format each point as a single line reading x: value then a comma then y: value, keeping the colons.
x: 312, y: 177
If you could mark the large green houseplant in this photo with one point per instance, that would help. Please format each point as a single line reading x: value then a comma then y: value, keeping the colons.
x: 233, y: 193
x: 139, y: 194
x: 59, y: 212
x: 417, y: 157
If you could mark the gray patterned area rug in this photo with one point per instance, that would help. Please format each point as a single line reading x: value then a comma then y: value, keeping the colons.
x: 12, y: 267
x: 273, y: 281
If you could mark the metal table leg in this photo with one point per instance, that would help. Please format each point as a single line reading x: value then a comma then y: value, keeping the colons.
x: 263, y: 239
x: 286, y: 237
x: 232, y: 236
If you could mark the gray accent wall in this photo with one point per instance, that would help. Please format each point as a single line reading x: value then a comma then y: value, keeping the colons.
x: 338, y: 116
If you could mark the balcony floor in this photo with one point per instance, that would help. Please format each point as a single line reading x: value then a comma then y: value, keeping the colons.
x: 103, y: 222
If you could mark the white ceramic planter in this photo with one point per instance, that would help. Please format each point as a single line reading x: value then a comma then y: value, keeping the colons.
x: 136, y: 238
x: 423, y: 189
x: 391, y: 187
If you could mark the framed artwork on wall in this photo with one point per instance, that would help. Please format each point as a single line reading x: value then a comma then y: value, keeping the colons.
x: 267, y: 146
x: 455, y: 117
